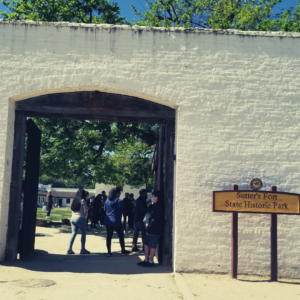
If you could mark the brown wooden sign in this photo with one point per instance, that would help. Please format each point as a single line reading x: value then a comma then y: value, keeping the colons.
x: 256, y: 202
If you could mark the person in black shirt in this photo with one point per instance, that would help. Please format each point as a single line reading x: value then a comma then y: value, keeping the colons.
x: 49, y: 204
x: 102, y: 211
x: 127, y: 211
x: 154, y: 230
x: 139, y: 214
x: 130, y: 218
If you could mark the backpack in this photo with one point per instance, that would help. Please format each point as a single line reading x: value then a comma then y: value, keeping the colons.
x: 76, y: 204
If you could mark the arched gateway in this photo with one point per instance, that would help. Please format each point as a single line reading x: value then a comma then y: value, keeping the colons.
x: 82, y: 104
x: 234, y: 97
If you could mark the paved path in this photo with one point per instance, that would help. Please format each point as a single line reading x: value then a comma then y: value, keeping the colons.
x: 49, y: 274
x: 222, y: 287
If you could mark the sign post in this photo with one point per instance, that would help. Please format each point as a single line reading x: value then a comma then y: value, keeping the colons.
x: 262, y: 202
x: 234, y: 240
x: 274, y: 260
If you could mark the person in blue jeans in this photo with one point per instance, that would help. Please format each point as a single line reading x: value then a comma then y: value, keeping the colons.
x: 114, y: 208
x: 78, y: 220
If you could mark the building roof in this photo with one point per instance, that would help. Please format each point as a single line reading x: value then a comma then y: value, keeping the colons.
x: 42, y: 193
x: 61, y: 194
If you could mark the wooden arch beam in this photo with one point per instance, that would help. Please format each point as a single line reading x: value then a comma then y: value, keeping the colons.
x: 95, y: 105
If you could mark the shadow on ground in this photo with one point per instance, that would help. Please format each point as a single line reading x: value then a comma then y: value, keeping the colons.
x: 279, y: 281
x: 42, y: 261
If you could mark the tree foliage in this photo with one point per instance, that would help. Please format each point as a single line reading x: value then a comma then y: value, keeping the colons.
x: 74, y: 11
x: 90, y: 151
x: 79, y: 183
x: 220, y: 14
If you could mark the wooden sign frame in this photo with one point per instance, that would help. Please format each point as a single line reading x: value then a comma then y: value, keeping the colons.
x: 273, y: 229
x: 249, y: 211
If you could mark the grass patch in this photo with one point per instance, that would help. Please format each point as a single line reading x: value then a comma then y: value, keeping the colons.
x: 56, y: 214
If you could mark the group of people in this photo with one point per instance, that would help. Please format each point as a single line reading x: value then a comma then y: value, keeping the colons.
x: 138, y: 214
x: 96, y: 211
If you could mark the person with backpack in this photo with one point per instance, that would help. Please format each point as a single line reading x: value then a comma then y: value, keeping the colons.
x: 78, y: 220
x: 113, y: 220
x: 154, y: 230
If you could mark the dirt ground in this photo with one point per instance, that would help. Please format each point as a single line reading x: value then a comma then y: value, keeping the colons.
x: 51, y: 274
x: 222, y: 287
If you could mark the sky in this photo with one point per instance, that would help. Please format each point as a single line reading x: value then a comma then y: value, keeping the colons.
x: 126, y: 9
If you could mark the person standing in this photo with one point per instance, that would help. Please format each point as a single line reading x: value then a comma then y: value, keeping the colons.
x: 95, y: 209
x: 102, y: 211
x: 127, y: 211
x: 139, y: 214
x: 131, y: 216
x: 154, y: 229
x: 78, y: 220
x: 49, y: 204
x: 88, y: 203
x: 113, y: 220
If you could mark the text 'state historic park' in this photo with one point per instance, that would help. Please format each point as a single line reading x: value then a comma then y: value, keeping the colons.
x: 256, y: 202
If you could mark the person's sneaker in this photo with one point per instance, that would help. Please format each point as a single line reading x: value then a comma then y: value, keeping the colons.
x: 70, y: 252
x: 84, y: 251
x: 47, y: 217
x: 108, y: 255
x: 125, y: 252
x: 142, y: 263
x: 149, y: 265
x: 135, y: 249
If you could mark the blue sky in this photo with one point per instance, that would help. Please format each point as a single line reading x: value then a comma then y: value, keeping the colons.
x: 126, y: 9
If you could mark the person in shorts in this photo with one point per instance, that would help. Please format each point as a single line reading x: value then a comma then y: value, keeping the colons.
x: 154, y: 229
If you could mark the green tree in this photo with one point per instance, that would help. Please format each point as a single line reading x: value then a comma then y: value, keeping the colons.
x: 75, y: 11
x: 220, y: 14
x: 61, y: 183
x: 87, y: 152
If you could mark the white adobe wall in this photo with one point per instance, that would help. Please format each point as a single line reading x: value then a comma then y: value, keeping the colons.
x: 237, y: 118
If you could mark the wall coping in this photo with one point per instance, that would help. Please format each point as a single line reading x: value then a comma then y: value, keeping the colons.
x: 149, y: 28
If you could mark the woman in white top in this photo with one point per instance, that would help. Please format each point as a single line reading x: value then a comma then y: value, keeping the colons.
x: 78, y: 220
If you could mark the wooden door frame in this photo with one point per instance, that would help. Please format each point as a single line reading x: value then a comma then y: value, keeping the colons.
x: 89, y: 105
x: 27, y: 233
x: 163, y: 171
x: 11, y: 251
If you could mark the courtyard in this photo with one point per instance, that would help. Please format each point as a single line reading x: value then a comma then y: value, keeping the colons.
x: 51, y: 274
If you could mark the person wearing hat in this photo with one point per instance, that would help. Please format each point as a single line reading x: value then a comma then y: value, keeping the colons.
x: 139, y: 214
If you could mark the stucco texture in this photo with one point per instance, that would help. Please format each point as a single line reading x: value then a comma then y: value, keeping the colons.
x: 237, y: 99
